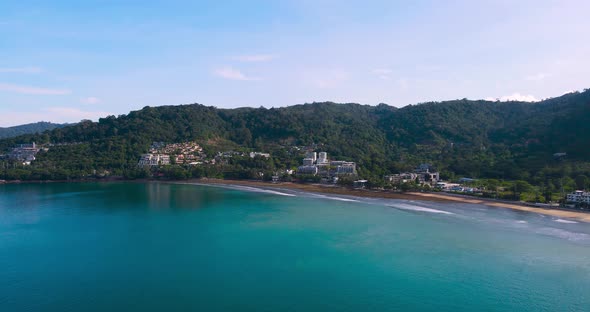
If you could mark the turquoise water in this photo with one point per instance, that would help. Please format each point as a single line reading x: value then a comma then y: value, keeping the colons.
x: 165, y: 247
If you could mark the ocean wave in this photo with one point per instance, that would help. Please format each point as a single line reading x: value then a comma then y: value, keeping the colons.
x: 419, y: 208
x: 261, y: 190
x: 559, y: 233
x: 521, y: 221
x: 247, y: 188
x: 335, y: 198
x: 565, y: 221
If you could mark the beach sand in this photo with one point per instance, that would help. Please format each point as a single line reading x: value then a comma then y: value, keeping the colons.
x: 437, y: 197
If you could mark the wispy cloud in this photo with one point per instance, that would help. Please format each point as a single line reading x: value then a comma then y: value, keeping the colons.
x: 382, y: 73
x: 254, y: 58
x: 32, y: 90
x: 514, y: 97
x: 90, y: 100
x: 537, y: 77
x: 21, y: 70
x: 228, y: 72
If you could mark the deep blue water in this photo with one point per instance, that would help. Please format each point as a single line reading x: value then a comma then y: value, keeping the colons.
x: 166, y: 247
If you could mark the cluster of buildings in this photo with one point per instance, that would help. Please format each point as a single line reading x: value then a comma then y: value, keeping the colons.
x: 161, y: 154
x: 24, y: 153
x: 319, y: 164
x: 424, y: 174
x: 578, y: 197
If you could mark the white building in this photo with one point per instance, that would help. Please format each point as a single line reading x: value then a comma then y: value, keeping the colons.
x: 322, y: 158
x: 578, y: 197
x: 307, y: 170
x: 346, y: 168
x: 308, y: 161
x: 254, y: 154
x: 153, y: 160
x: 312, y: 155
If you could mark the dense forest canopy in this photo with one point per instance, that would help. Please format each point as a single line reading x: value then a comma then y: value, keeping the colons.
x: 462, y: 138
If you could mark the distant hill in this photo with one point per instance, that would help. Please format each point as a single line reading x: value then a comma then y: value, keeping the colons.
x: 479, y: 139
x: 31, y: 128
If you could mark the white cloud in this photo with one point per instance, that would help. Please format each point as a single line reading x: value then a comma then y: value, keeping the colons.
x: 537, y: 77
x: 32, y: 90
x: 21, y: 70
x: 90, y: 100
x: 52, y: 114
x: 254, y: 58
x: 228, y: 72
x: 514, y: 97
x: 382, y: 73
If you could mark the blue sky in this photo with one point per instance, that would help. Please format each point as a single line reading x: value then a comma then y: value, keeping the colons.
x: 63, y: 61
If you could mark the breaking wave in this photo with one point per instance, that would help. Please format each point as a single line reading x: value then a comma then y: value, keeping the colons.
x: 565, y: 221
x: 419, y: 208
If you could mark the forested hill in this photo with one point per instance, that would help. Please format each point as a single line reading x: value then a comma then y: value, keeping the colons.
x: 505, y: 140
x: 37, y: 127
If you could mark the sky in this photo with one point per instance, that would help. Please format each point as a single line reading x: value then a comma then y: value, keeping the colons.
x: 63, y: 61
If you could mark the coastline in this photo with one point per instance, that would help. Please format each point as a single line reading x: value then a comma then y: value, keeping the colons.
x: 435, y: 197
x: 338, y: 190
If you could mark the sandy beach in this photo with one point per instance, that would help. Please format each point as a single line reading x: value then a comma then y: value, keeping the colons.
x: 437, y: 197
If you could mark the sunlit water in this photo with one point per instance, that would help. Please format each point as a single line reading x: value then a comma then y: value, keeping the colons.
x: 166, y: 247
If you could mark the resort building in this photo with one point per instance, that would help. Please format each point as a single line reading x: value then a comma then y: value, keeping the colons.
x: 24, y: 153
x: 148, y: 160
x: 313, y: 170
x: 578, y: 197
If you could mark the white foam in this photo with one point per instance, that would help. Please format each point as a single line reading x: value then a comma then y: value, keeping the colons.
x: 571, y: 236
x: 335, y: 198
x: 419, y: 208
x: 249, y: 189
x: 521, y: 221
x: 565, y: 221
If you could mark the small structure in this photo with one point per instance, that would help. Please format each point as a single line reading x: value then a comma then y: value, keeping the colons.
x: 254, y: 154
x: 359, y: 184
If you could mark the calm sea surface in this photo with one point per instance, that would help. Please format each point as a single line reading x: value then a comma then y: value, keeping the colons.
x: 167, y: 247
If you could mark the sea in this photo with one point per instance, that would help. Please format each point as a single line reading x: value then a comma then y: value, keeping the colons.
x: 182, y: 247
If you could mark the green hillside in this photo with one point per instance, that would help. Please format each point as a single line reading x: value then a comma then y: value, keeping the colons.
x: 37, y: 127
x: 479, y: 139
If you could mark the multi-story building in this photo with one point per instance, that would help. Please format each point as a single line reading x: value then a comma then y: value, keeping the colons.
x: 346, y: 168
x: 401, y: 177
x: 308, y: 161
x: 312, y: 155
x: 148, y: 160
x: 322, y: 158
x: 578, y: 197
x: 313, y: 170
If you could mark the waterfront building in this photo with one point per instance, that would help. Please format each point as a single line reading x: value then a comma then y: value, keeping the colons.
x: 313, y: 170
x: 578, y: 197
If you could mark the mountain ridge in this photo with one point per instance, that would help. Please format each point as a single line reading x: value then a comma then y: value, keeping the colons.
x: 482, y: 139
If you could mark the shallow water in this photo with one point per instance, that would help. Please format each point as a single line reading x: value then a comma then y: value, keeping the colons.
x: 165, y: 247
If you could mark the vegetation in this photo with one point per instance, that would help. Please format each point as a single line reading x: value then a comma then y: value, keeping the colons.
x: 489, y: 141
x: 37, y: 127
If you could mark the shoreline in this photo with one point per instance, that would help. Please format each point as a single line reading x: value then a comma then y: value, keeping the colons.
x: 338, y: 190
x: 434, y: 197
